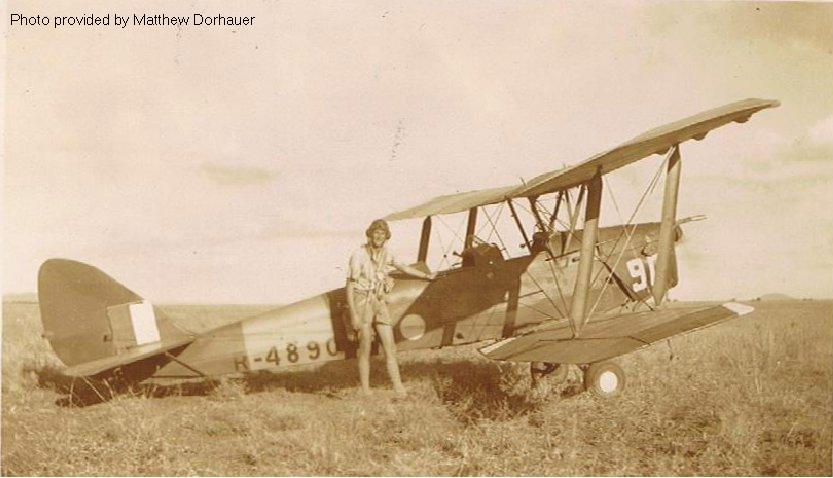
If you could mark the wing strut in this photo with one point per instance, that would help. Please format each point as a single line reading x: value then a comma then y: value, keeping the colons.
x: 424, y: 239
x: 667, y: 226
x: 588, y: 245
x: 533, y: 204
x: 518, y: 223
x: 554, y: 216
x: 470, y: 225
x: 573, y: 217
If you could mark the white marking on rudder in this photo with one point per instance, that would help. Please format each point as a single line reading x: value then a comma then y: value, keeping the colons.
x: 740, y: 309
x: 144, y: 323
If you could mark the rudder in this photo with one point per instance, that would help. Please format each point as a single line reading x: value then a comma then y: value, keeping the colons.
x: 89, y: 316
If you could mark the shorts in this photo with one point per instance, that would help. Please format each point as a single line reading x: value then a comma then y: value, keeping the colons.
x: 370, y: 309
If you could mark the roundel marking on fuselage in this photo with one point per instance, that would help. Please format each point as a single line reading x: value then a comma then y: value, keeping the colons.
x: 412, y: 326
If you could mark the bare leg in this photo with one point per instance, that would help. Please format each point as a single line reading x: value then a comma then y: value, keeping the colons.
x: 365, y: 340
x: 386, y: 335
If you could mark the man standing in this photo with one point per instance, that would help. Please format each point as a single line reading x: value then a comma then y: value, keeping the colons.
x: 368, y: 284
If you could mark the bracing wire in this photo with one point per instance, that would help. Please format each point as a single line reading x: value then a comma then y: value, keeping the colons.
x: 497, y: 234
x: 545, y: 214
x: 444, y: 258
x: 550, y: 220
x: 456, y: 232
x: 648, y: 190
x: 482, y: 225
x: 447, y: 247
x: 555, y: 280
x: 494, y: 221
x: 554, y: 273
x: 538, y: 285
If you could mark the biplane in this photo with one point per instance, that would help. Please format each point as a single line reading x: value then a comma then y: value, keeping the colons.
x: 578, y: 295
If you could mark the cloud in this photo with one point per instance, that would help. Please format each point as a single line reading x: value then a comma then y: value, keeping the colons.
x: 822, y: 132
x: 185, y: 161
x: 237, y: 175
x: 801, y: 23
x: 796, y: 24
x: 770, y: 217
x: 288, y: 228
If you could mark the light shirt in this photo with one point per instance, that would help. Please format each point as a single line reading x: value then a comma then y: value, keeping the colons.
x: 368, y: 273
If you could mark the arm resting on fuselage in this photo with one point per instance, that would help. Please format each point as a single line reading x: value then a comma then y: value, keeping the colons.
x: 412, y: 271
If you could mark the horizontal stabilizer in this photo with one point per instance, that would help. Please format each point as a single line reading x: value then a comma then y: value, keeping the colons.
x: 96, y: 367
x: 610, y: 337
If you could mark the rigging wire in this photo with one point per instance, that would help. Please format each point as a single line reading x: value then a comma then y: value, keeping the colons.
x: 545, y: 214
x: 552, y: 264
x: 491, y: 221
x: 494, y: 221
x: 444, y: 258
x: 648, y: 190
x: 555, y: 210
x: 550, y: 219
x: 482, y: 225
x: 554, y: 274
x: 538, y: 285
x: 448, y: 247
x: 497, y: 234
x: 456, y: 232
x: 536, y: 309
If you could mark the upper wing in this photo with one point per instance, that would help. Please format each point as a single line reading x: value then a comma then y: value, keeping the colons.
x: 455, y: 203
x: 605, y: 339
x: 655, y: 141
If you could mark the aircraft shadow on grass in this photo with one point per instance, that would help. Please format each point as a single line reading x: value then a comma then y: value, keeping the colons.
x: 470, y: 390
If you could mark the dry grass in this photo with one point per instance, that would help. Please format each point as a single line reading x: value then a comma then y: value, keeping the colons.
x: 751, y: 397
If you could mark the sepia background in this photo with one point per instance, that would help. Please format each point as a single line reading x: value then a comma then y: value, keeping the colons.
x: 220, y: 164
x: 202, y: 165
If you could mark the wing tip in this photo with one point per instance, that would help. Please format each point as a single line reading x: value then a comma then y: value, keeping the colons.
x: 738, y: 308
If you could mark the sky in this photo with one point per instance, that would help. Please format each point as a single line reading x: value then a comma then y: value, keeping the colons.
x: 242, y: 165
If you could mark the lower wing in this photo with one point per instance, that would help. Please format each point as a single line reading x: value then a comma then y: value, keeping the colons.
x: 611, y: 336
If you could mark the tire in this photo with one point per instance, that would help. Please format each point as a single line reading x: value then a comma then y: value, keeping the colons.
x: 604, y: 379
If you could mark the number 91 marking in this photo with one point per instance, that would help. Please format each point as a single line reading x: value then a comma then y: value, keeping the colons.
x: 636, y: 268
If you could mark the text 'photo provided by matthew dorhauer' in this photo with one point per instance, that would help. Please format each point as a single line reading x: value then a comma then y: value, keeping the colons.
x: 131, y: 19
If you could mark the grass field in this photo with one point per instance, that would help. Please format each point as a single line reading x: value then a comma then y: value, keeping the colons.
x: 750, y: 397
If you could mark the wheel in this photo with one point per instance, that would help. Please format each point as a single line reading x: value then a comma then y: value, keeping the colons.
x: 605, y: 379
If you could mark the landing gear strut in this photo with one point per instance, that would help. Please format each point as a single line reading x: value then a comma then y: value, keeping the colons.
x: 539, y: 370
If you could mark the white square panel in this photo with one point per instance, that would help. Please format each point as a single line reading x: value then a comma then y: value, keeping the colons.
x: 144, y: 323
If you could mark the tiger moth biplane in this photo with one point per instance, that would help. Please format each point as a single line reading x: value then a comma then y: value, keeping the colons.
x: 580, y: 294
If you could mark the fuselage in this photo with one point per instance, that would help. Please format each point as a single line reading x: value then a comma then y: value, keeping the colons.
x: 485, y: 298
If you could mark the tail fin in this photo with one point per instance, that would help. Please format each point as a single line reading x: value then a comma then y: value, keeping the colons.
x: 87, y: 316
